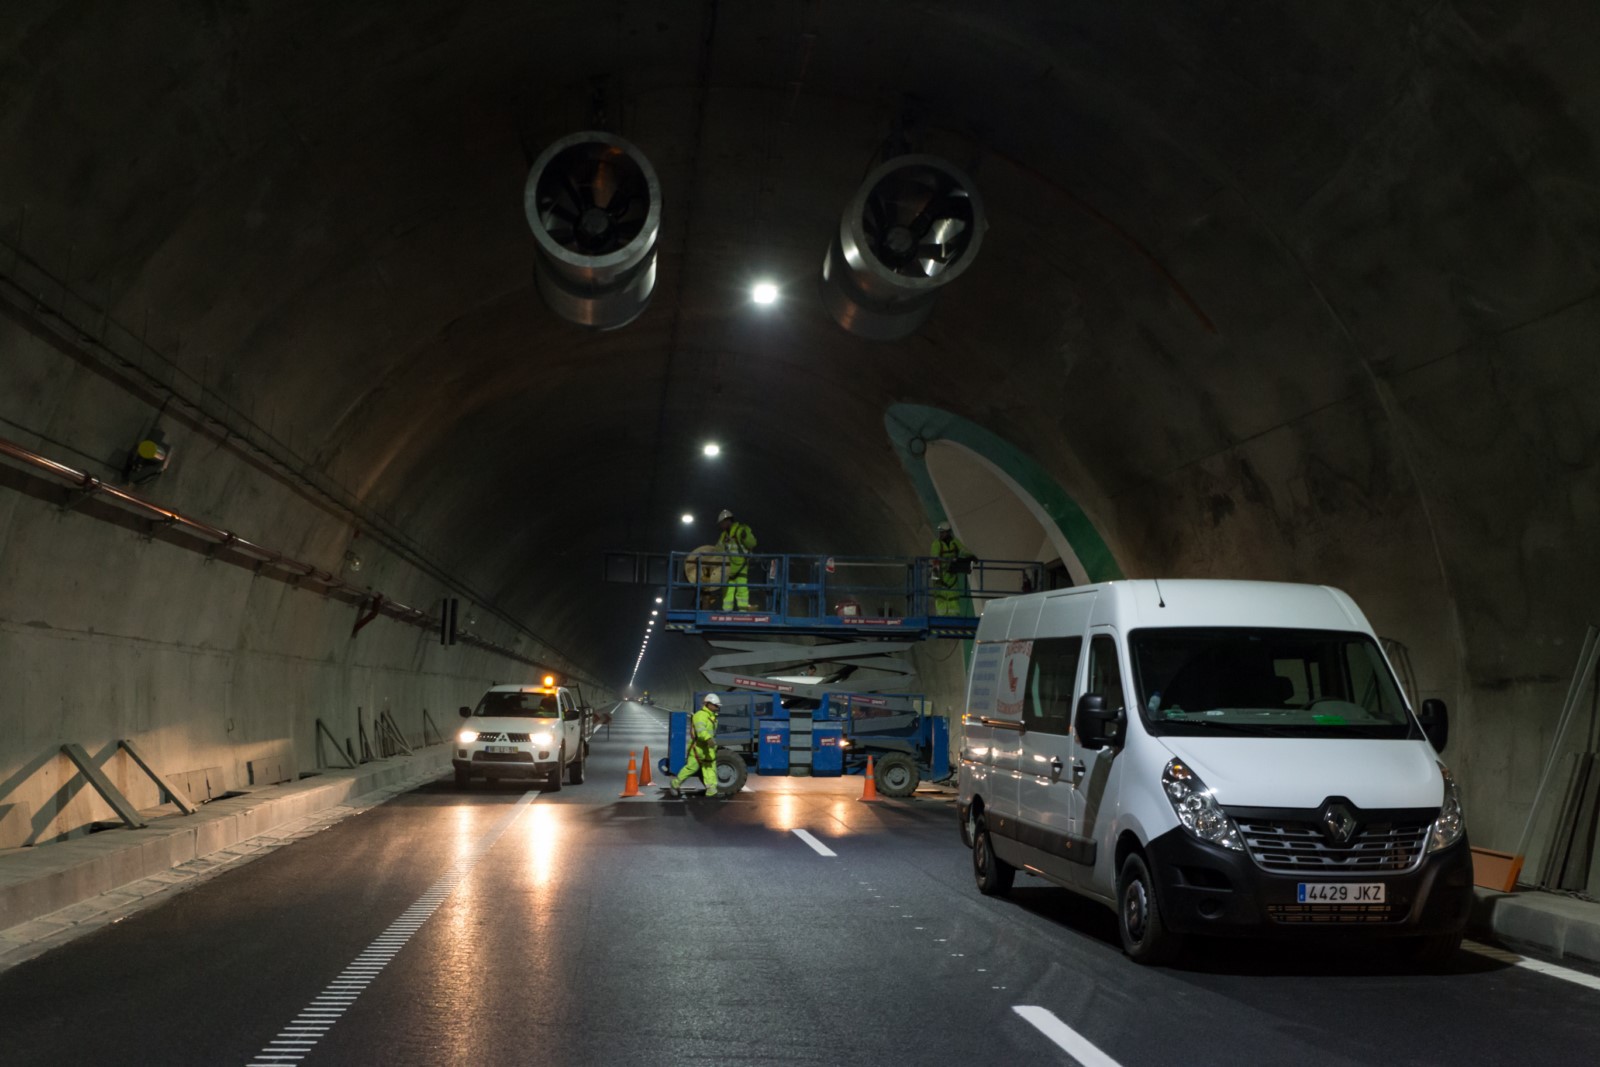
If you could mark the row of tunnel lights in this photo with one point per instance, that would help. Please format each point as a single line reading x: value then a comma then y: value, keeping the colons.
x: 649, y: 628
x: 761, y: 293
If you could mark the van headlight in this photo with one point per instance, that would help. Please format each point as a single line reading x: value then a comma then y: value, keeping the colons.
x: 543, y: 737
x: 1197, y: 809
x: 1451, y: 824
x: 466, y: 737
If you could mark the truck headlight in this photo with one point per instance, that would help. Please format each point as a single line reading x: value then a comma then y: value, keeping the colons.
x: 466, y: 737
x: 1197, y: 809
x: 543, y: 737
x: 1451, y: 824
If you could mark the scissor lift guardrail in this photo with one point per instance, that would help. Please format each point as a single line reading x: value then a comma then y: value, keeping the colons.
x: 895, y: 597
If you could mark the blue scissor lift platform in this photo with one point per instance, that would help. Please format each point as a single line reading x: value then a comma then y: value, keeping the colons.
x: 815, y: 665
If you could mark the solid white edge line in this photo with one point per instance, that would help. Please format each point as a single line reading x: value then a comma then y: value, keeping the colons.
x: 1072, y: 1043
x: 821, y: 849
x: 1588, y: 981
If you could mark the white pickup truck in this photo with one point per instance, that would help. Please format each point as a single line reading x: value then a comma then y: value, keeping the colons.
x: 524, y: 731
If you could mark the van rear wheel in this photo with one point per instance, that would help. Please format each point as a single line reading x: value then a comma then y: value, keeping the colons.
x: 1145, y: 937
x: 993, y: 874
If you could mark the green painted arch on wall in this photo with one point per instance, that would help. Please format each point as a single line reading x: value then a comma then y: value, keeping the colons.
x: 911, y: 427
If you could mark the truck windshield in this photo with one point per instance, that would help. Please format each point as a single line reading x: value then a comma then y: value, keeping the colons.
x: 526, y: 705
x: 1266, y: 683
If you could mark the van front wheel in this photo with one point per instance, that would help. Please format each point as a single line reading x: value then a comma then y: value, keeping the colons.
x: 993, y: 874
x: 1145, y: 937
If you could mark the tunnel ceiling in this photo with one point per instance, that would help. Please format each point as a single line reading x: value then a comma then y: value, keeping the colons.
x: 1211, y: 225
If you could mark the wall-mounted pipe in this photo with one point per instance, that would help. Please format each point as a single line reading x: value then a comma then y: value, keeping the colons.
x: 911, y: 229
x: 225, y: 541
x: 594, y: 205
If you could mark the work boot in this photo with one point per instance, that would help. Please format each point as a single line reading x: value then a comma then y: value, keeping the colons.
x: 672, y: 790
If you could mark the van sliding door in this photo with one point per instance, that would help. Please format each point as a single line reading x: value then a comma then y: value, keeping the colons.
x: 1045, y: 775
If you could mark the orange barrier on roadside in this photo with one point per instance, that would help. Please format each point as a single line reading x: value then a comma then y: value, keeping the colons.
x: 630, y: 788
x: 644, y: 768
x: 869, y: 788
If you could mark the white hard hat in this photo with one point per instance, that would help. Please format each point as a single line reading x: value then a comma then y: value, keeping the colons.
x: 714, y: 700
x: 944, y: 527
x: 725, y: 514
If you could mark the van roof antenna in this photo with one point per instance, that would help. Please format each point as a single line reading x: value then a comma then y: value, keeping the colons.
x: 1160, y: 600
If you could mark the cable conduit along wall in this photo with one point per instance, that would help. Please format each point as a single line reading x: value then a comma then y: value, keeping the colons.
x: 218, y: 543
x: 93, y: 336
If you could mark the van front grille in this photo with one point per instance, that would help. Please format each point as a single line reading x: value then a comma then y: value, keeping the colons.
x: 1293, y: 846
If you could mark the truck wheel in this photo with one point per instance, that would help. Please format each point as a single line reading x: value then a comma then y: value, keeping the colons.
x: 462, y: 777
x: 993, y: 874
x: 1145, y: 937
x: 896, y: 775
x: 731, y: 772
x: 576, y: 768
x: 561, y: 769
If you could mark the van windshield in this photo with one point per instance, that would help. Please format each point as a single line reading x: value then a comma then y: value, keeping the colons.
x: 1266, y: 683
x: 524, y: 705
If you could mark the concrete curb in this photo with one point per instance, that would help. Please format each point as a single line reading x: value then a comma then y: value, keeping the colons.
x: 1557, y: 925
x: 44, y: 879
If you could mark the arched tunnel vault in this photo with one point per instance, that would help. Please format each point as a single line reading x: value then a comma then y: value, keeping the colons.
x: 1277, y: 293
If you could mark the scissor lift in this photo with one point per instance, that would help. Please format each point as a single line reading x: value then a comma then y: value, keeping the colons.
x: 819, y: 658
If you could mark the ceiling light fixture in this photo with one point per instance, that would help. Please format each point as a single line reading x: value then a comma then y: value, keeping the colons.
x: 764, y: 293
x: 687, y: 518
x: 712, y: 449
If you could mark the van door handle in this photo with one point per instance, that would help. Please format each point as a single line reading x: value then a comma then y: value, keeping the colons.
x: 1077, y: 771
x: 1055, y: 766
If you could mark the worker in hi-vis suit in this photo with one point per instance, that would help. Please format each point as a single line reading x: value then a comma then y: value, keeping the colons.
x: 702, y: 747
x: 736, y: 542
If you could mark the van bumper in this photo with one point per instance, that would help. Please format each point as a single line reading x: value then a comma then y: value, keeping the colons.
x: 1204, y: 889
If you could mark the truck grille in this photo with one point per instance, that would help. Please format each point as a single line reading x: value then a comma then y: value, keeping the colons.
x: 1300, y: 847
x: 491, y: 739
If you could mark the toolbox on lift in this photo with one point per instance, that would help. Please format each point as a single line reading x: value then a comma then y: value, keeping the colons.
x: 827, y: 757
x: 772, y: 756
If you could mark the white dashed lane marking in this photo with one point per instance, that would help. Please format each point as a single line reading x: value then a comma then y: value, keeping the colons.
x: 291, y: 1044
x: 818, y: 846
x: 1071, y: 1042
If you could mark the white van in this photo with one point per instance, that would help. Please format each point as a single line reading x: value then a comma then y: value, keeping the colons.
x: 1211, y: 757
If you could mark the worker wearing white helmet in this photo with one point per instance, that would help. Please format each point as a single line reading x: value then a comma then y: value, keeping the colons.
x: 736, y: 542
x: 946, y: 582
x: 702, y: 755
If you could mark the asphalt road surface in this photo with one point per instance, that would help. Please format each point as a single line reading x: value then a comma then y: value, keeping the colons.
x: 508, y: 925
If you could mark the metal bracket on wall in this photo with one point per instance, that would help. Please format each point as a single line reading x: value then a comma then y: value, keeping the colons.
x: 389, y: 735
x: 323, y: 731
x: 427, y: 722
x: 102, y: 785
x: 177, y: 795
x: 361, y: 733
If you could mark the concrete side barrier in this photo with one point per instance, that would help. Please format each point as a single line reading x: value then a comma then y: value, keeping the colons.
x: 45, y: 878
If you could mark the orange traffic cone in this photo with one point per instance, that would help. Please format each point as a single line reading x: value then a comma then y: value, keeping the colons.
x: 630, y: 788
x: 644, y: 768
x: 869, y: 788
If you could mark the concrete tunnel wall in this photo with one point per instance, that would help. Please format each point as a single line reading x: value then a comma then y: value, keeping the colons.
x: 1304, y: 294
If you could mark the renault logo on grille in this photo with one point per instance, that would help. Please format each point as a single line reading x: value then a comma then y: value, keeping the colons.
x: 1338, y: 821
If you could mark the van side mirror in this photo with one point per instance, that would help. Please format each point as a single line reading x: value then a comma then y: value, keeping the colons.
x: 466, y: 712
x: 1435, y: 720
x: 1096, y: 727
